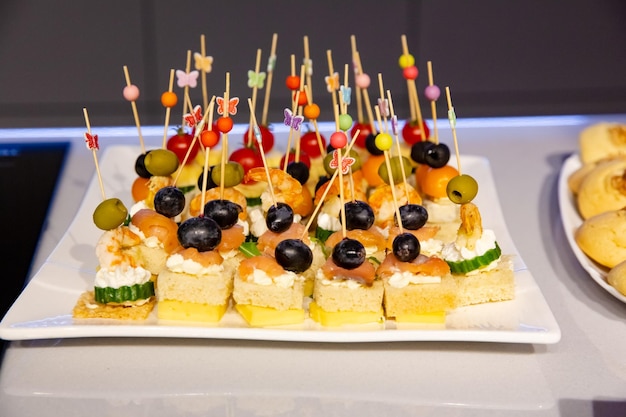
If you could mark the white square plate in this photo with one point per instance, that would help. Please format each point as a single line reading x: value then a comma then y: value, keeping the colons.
x: 44, y: 308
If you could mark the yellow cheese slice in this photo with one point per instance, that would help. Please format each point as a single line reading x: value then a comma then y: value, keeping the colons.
x: 340, y: 318
x: 180, y: 310
x: 257, y: 316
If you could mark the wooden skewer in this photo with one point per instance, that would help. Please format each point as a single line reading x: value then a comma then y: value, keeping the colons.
x: 327, y: 189
x: 413, y: 96
x: 257, y: 68
x: 433, y: 103
x: 331, y: 75
x: 359, y: 96
x: 135, y: 113
x: 397, y: 141
x: 187, y: 99
x: 205, y: 96
x: 168, y: 110
x: 95, y: 157
x: 366, y: 97
x: 205, y: 176
x: 452, y: 118
x: 225, y: 135
x: 270, y: 76
x: 391, y: 182
x: 198, y: 132
x: 309, y: 67
x: 260, y: 143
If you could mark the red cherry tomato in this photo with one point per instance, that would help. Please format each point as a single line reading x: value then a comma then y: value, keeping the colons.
x: 304, y: 158
x: 309, y: 145
x: 267, y: 139
x: 248, y: 158
x: 412, y: 134
x: 180, y: 143
x: 364, y: 131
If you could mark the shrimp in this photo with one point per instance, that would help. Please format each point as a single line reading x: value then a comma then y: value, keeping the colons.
x: 118, y: 246
x: 286, y: 190
x: 230, y: 194
x: 350, y: 193
x: 471, y: 228
x: 154, y: 185
x: 381, y: 201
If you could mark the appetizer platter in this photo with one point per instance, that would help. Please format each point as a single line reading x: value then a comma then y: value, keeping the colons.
x: 362, y: 231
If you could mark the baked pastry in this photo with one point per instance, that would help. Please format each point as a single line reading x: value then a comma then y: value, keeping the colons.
x: 603, y: 237
x: 603, y: 188
x: 617, y: 277
x: 602, y: 140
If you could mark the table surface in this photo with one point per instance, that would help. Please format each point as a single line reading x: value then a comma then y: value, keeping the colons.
x: 582, y: 375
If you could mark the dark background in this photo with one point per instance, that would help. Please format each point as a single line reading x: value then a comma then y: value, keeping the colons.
x: 499, y: 58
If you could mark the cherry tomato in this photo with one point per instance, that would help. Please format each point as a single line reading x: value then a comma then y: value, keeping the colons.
x: 365, y: 130
x: 411, y: 132
x: 304, y: 158
x: 309, y: 145
x: 267, y: 139
x: 435, y: 180
x: 180, y: 143
x: 248, y: 158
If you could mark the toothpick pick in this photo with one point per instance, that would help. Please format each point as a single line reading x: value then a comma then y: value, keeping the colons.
x: 205, y: 97
x: 327, y: 189
x: 391, y: 182
x: 205, y: 176
x: 433, y: 103
x: 359, y: 97
x: 271, y: 63
x: 257, y: 68
x: 452, y: 119
x: 95, y: 157
x: 168, y: 110
x: 366, y: 97
x: 135, y: 113
x: 262, y: 151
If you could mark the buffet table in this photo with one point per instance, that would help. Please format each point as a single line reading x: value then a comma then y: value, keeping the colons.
x: 582, y: 374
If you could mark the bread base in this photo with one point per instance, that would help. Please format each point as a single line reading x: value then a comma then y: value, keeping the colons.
x: 87, y: 308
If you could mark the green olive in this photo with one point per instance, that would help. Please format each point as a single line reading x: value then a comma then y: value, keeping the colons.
x: 233, y: 174
x: 396, y: 167
x: 110, y: 214
x: 161, y: 162
x: 329, y: 157
x: 462, y: 189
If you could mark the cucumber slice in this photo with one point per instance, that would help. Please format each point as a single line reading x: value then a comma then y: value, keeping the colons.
x: 468, y: 265
x: 126, y: 293
x: 253, y: 201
